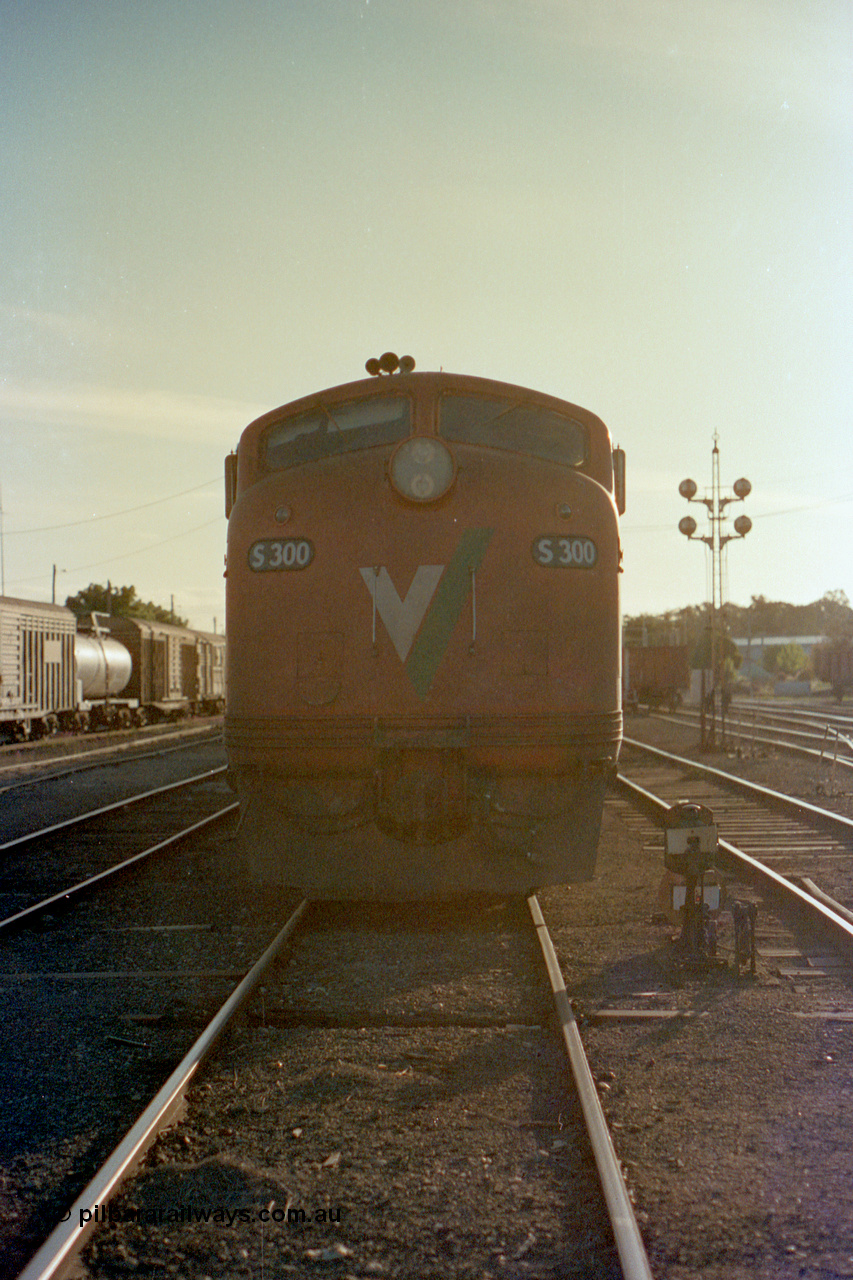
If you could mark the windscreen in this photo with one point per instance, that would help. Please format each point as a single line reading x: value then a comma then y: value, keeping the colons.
x: 513, y: 424
x: 331, y: 429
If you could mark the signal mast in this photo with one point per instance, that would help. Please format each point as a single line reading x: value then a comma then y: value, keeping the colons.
x: 716, y: 540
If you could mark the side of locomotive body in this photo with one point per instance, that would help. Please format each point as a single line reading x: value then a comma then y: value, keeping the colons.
x: 423, y: 639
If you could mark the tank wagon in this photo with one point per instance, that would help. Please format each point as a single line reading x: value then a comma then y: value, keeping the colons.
x: 56, y: 673
x: 423, y: 637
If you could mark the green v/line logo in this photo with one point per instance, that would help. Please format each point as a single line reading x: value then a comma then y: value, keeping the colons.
x: 420, y: 626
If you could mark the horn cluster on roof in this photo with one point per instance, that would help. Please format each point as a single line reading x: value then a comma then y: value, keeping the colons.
x: 389, y: 363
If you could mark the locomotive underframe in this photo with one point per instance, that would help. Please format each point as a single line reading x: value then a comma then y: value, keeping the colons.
x: 355, y: 821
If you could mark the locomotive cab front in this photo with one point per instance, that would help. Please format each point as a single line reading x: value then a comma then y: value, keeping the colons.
x: 423, y: 638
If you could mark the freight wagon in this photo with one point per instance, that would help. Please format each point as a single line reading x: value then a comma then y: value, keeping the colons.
x: 655, y: 675
x: 103, y: 671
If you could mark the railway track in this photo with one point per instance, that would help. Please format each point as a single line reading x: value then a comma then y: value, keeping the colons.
x: 820, y: 737
x: 727, y: 1088
x: 811, y: 712
x: 797, y: 854
x: 46, y: 867
x: 29, y: 764
x: 363, y: 1077
x: 104, y: 934
x: 793, y: 835
x: 400, y: 1037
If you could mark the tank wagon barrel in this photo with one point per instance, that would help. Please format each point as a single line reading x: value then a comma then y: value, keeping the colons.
x: 103, y: 665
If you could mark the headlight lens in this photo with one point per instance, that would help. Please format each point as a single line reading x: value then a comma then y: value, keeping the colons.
x: 422, y: 469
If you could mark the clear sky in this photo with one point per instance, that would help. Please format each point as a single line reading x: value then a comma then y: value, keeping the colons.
x: 208, y: 208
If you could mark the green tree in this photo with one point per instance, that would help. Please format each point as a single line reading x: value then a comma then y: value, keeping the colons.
x: 769, y: 656
x: 791, y: 660
x: 830, y: 616
x: 120, y: 601
x: 727, y: 652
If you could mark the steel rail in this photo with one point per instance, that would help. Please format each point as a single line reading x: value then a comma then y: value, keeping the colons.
x: 815, y: 909
x: 795, y: 748
x: 59, y: 1250
x: 793, y: 712
x: 125, y: 753
x: 741, y: 714
x: 804, y: 726
x: 629, y: 1243
x: 110, y: 808
x: 63, y: 895
x: 824, y: 817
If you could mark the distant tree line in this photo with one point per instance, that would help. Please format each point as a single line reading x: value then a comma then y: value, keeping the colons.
x: 122, y: 602
x: 830, y: 616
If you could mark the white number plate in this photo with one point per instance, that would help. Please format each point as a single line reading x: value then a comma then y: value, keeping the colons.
x: 557, y: 552
x: 280, y: 553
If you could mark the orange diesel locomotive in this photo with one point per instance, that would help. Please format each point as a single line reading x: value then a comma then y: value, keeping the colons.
x: 423, y: 637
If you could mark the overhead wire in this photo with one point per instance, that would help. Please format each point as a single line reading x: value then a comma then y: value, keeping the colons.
x: 73, y: 524
x: 128, y: 554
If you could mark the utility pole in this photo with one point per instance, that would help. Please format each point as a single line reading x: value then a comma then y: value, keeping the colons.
x: 716, y: 540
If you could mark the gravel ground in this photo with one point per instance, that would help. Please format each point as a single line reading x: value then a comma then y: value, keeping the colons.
x: 85, y: 1045
x: 38, y: 803
x: 444, y: 1150
x: 731, y: 1120
x: 411, y: 1150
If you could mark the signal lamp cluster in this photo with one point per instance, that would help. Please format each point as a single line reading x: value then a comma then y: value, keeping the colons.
x: 389, y: 363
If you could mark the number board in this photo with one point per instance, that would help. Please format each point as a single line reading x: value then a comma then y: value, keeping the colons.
x: 271, y: 554
x: 555, y: 551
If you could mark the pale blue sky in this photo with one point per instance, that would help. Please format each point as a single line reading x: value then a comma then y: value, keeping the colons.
x: 209, y: 208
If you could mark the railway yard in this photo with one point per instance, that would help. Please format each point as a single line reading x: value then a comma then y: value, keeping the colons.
x: 393, y: 1097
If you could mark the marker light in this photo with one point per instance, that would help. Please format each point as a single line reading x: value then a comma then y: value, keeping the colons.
x: 389, y: 362
x: 422, y: 469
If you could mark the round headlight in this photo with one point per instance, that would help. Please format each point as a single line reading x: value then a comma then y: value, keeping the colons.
x: 422, y: 469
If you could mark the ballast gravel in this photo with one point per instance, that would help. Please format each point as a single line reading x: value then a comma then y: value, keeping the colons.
x: 731, y: 1118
